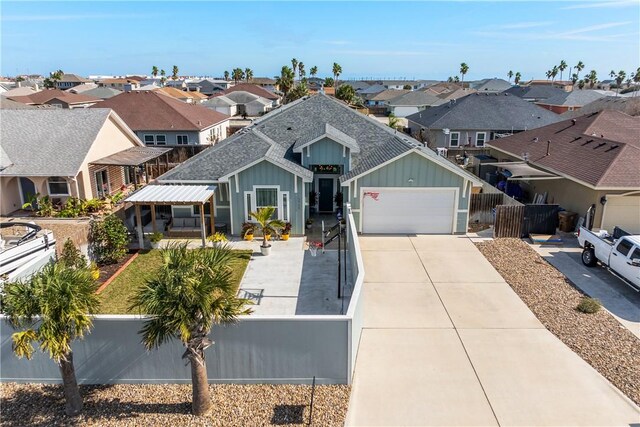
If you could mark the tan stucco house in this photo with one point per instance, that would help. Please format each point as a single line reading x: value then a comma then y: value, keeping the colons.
x: 50, y: 152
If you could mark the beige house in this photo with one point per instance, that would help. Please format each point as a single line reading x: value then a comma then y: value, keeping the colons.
x: 50, y: 152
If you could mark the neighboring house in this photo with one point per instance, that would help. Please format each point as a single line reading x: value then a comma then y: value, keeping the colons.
x: 357, y: 85
x: 412, y: 102
x: 470, y: 122
x: 191, y: 97
x: 54, y: 156
x: 101, y: 92
x: 179, y: 84
x: 318, y: 144
x: 494, y: 85
x: 380, y: 99
x: 595, y: 160
x: 535, y: 93
x: 455, y: 94
x: 256, y: 90
x: 400, y: 84
x: 630, y: 106
x: 570, y: 101
x: 70, y: 80
x: 7, y: 104
x: 57, y: 98
x: 265, y: 83
x: 222, y: 104
x: 162, y: 120
x: 371, y: 90
x: 120, y: 84
x: 566, y: 85
x: 249, y: 104
x: 19, y: 91
x: 207, y: 87
x: 81, y: 88
x: 5, y: 87
x: 149, y: 87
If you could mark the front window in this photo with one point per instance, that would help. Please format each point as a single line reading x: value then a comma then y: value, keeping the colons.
x: 58, y: 186
x: 454, y: 139
x: 262, y: 197
x: 480, y: 139
x: 267, y: 197
x: 183, y: 139
x: 161, y: 140
x: 149, y: 140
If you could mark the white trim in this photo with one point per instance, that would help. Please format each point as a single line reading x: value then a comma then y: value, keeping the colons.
x: 105, y: 168
x: 279, y: 195
x: 484, y: 140
x: 442, y: 163
x: 462, y: 210
x: 255, y: 162
x: 49, y: 193
x: 235, y: 178
x: 456, y: 191
x: 344, y: 151
x: 316, y: 183
x: 295, y: 184
x: 457, y: 133
x: 308, y: 151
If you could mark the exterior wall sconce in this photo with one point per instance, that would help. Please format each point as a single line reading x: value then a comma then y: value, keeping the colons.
x: 603, y: 200
x: 410, y: 180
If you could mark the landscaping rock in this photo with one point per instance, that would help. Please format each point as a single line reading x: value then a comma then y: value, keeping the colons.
x: 596, y: 337
x: 170, y: 405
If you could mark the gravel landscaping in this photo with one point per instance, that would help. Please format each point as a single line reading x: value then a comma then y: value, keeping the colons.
x: 598, y: 338
x: 42, y: 405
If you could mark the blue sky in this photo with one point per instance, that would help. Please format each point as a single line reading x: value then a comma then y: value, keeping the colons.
x: 368, y: 39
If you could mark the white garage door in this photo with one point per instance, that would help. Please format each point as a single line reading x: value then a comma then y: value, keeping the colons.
x: 411, y: 211
x: 623, y: 211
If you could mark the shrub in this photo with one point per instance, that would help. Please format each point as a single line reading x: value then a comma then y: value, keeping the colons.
x: 71, y: 256
x: 287, y: 228
x: 248, y: 228
x: 589, y: 305
x: 155, y: 237
x: 108, y: 239
x: 218, y: 238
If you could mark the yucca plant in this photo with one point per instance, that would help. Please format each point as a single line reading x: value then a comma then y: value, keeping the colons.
x: 53, y: 308
x: 192, y: 292
x: 266, y: 223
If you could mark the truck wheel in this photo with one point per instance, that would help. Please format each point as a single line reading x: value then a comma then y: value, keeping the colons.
x: 589, y: 257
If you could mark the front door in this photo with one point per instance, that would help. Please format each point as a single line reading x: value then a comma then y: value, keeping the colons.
x: 325, y: 194
x: 102, y: 183
x: 28, y: 190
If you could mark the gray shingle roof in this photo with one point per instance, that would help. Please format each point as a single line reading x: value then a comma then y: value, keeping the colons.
x: 490, y: 85
x: 630, y: 106
x: 485, y: 112
x: 219, y: 101
x: 329, y: 131
x: 535, y: 92
x: 49, y: 142
x: 102, y: 92
x: 416, y: 98
x: 577, y: 97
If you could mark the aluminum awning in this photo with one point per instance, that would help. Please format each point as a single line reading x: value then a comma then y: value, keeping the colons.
x: 134, y: 156
x: 523, y: 171
x: 172, y: 195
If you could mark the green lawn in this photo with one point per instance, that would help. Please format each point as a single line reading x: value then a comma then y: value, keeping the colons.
x: 115, y: 297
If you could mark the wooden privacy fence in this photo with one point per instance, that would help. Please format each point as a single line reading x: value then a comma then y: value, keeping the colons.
x: 520, y: 221
x: 482, y: 206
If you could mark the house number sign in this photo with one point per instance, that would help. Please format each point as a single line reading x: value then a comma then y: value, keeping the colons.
x: 325, y: 168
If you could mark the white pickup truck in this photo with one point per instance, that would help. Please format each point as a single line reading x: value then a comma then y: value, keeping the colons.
x: 621, y: 255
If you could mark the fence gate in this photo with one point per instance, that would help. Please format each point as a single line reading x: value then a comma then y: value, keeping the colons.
x: 509, y: 221
x: 540, y: 219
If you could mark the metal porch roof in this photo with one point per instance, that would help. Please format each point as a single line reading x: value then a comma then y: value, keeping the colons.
x: 172, y: 194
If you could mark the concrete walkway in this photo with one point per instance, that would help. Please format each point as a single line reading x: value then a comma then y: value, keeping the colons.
x: 447, y: 342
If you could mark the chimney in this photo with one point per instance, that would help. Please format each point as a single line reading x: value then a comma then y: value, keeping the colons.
x: 548, y: 146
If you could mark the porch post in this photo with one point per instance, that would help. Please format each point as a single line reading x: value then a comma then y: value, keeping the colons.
x: 203, y: 226
x: 153, y: 217
x: 212, y: 215
x: 139, y: 227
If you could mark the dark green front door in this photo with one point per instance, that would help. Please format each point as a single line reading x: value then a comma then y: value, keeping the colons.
x: 325, y: 198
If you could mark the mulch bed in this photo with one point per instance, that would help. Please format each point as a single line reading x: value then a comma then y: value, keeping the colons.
x: 106, y: 271
x: 42, y: 405
x: 598, y: 338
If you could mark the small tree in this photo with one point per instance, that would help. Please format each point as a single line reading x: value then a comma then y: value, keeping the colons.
x: 192, y: 292
x: 266, y: 224
x: 394, y: 122
x: 54, y: 308
x: 108, y: 239
x: 71, y: 256
x: 407, y: 87
x: 328, y: 82
x: 346, y: 93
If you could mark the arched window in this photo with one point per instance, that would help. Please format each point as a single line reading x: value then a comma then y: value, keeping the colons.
x: 58, y: 186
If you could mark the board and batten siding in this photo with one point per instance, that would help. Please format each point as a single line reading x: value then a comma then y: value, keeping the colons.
x: 424, y: 173
x: 266, y: 174
x: 221, y: 206
x: 326, y: 152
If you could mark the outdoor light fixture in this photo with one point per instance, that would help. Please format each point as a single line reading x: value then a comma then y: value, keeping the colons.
x: 603, y: 200
x: 410, y: 180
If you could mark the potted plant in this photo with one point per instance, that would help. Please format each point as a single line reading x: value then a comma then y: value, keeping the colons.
x: 218, y: 238
x: 155, y: 238
x: 247, y: 230
x: 286, y: 231
x: 95, y: 271
x: 308, y: 223
x: 267, y: 226
x: 313, y: 199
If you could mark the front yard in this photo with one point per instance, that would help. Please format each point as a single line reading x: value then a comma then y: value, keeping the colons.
x: 116, y: 296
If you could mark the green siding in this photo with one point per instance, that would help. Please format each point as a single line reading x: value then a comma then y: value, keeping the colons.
x: 265, y: 173
x: 424, y: 172
x: 326, y: 152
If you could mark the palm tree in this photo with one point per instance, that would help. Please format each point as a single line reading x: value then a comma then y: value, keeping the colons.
x: 248, y: 74
x: 226, y: 75
x: 54, y: 308
x: 562, y: 67
x: 294, y: 65
x: 301, y: 71
x: 237, y: 75
x: 510, y: 74
x: 285, y: 80
x: 518, y: 77
x: 394, y: 121
x: 346, y: 93
x: 313, y: 71
x: 619, y: 79
x: 163, y: 77
x: 579, y: 67
x: 574, y: 78
x: 548, y: 74
x: 191, y: 292
x: 174, y: 73
x: 464, y: 68
x: 154, y: 71
x: 592, y: 78
x: 456, y: 79
x: 337, y: 70
x: 266, y: 224
x: 554, y: 73
x: 581, y: 84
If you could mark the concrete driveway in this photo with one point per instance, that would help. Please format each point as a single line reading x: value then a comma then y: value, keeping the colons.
x: 447, y: 342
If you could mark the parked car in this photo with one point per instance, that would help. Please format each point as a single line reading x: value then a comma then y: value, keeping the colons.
x: 620, y: 253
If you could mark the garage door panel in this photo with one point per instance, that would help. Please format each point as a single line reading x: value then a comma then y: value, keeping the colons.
x: 420, y: 211
x: 624, y: 212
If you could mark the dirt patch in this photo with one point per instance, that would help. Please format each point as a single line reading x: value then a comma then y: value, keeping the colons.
x: 169, y: 405
x: 108, y: 270
x: 598, y: 338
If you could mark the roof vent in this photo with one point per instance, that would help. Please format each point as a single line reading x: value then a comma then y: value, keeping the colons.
x: 576, y: 138
x: 613, y: 147
x: 588, y: 141
x: 535, y: 139
x: 573, y: 122
x: 289, y: 128
x: 599, y: 145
